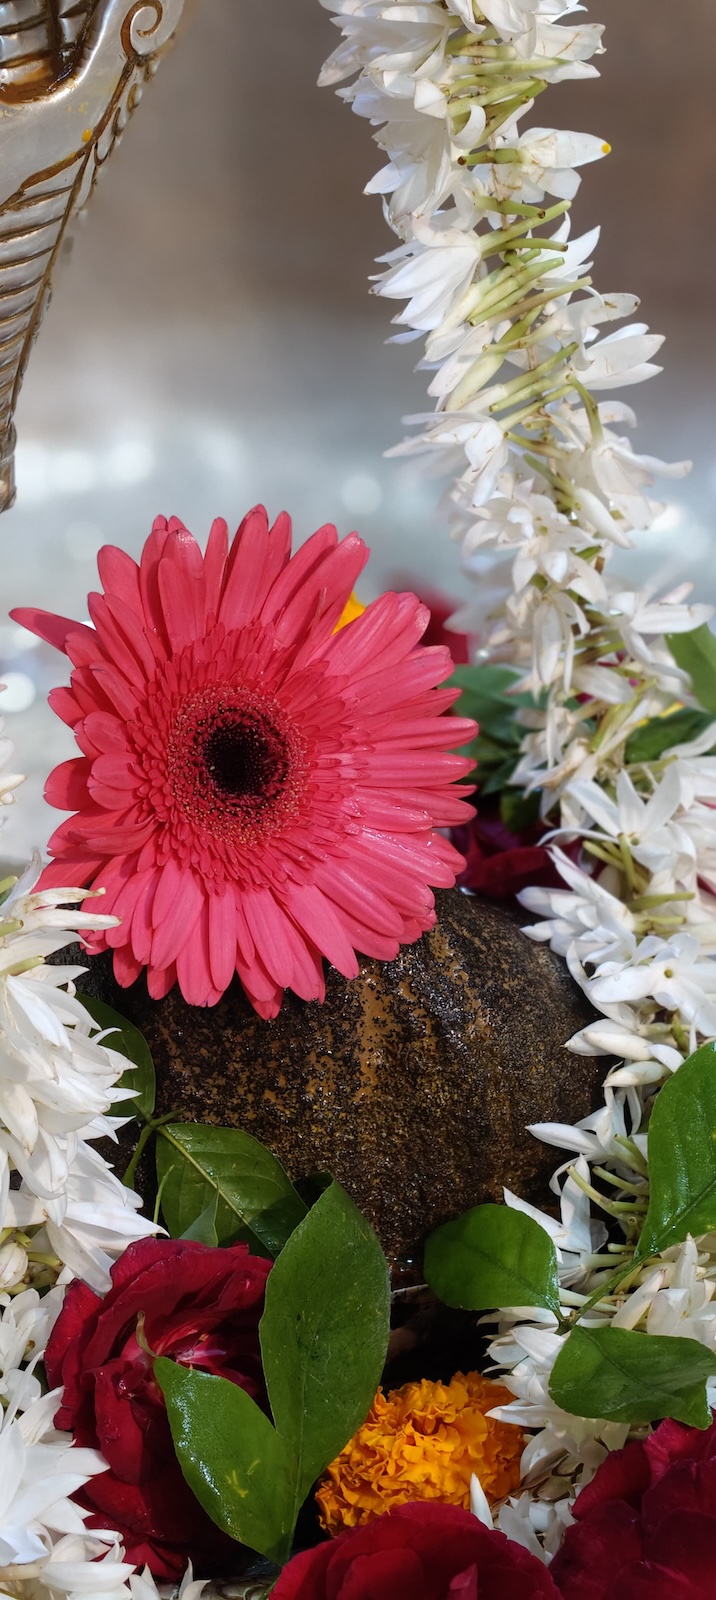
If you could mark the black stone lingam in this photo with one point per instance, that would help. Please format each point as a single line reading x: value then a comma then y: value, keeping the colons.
x: 413, y: 1084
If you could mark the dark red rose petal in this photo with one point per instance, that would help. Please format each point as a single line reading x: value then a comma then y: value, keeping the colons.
x: 386, y: 1572
x: 687, y: 1486
x: 684, y: 1544
x: 623, y: 1475
x: 596, y: 1551
x: 418, y: 1552
x: 198, y: 1305
x: 674, y: 1441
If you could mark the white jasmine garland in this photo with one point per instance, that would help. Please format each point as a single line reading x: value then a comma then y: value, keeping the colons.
x: 544, y: 490
x: 64, y: 1213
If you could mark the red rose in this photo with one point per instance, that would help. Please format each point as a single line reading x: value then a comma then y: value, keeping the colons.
x: 499, y: 863
x: 201, y: 1307
x: 646, y: 1524
x: 417, y: 1552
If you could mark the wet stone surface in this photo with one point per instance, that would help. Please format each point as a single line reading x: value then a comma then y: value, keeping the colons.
x: 413, y: 1084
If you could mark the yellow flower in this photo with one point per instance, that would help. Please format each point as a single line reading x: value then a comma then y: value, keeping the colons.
x: 422, y: 1442
x: 353, y: 608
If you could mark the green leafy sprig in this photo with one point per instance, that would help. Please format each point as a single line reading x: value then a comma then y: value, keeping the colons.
x: 496, y: 1256
x: 324, y: 1337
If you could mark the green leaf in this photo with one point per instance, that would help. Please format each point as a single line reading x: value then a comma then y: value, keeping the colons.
x: 632, y: 1377
x: 682, y: 1156
x: 324, y: 1332
x: 519, y: 811
x: 232, y: 1459
x: 485, y: 696
x: 492, y: 1256
x: 662, y: 733
x: 198, y: 1164
x: 203, y: 1229
x: 695, y: 653
x: 132, y: 1044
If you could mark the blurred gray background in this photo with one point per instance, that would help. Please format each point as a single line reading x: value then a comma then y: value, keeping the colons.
x: 212, y: 342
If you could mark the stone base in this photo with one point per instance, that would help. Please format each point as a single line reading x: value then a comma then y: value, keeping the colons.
x: 413, y: 1084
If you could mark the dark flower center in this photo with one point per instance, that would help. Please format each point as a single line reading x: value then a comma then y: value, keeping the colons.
x: 246, y: 758
x: 234, y: 773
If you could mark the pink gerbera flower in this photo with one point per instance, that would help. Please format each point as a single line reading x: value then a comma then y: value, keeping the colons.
x: 256, y: 789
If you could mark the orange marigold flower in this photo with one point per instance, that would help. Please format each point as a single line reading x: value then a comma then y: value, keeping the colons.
x: 422, y: 1442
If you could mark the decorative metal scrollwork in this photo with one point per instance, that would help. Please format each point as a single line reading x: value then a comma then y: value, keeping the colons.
x: 71, y: 72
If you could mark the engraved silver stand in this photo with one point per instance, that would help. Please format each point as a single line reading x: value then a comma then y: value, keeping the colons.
x: 71, y: 72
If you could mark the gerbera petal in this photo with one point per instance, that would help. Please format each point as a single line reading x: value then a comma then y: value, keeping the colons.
x: 392, y: 767
x: 215, y: 557
x: 182, y: 589
x: 222, y: 938
x: 149, y: 579
x: 141, y: 930
x: 367, y: 941
x: 107, y: 733
x: 309, y: 979
x: 53, y: 629
x: 345, y: 888
x: 268, y: 927
x: 265, y: 995
x: 448, y: 810
x: 159, y: 981
x: 256, y: 794
x: 177, y: 905
x: 296, y: 575
x: 257, y: 557
x: 388, y: 629
x: 335, y: 577
x: 422, y: 732
x: 126, y: 966
x: 66, y: 786
x: 82, y: 646
x: 114, y: 833
x: 114, y: 771
x: 119, y: 575
x: 65, y: 706
x: 193, y: 964
x: 143, y: 645
x: 377, y: 692
x: 67, y: 872
x: 411, y: 856
x: 123, y: 697
x: 385, y: 876
x: 113, y: 642
x: 321, y: 921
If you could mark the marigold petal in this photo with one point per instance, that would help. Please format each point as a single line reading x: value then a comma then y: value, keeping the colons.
x: 422, y: 1442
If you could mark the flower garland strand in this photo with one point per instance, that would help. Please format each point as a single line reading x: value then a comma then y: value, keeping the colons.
x: 63, y: 1214
x: 543, y: 491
